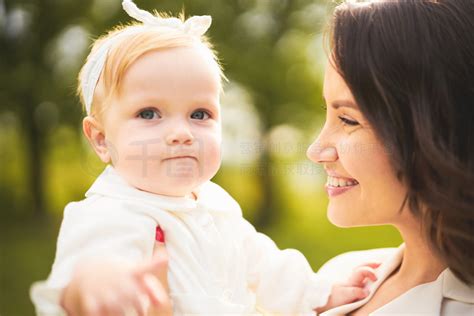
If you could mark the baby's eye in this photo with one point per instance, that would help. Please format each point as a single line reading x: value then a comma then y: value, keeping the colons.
x: 149, y: 114
x: 200, y: 115
x: 346, y: 121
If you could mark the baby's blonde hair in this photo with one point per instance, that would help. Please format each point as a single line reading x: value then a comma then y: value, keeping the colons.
x: 127, y: 50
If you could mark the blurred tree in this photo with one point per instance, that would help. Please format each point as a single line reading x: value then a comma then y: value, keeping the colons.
x: 258, y: 52
x: 28, y: 29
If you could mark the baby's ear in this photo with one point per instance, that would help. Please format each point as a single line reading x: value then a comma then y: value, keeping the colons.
x: 95, y: 134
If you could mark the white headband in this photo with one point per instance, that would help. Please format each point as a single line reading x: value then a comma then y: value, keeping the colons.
x: 195, y: 26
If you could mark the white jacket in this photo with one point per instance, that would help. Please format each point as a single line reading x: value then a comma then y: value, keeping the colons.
x: 447, y: 295
x: 218, y: 263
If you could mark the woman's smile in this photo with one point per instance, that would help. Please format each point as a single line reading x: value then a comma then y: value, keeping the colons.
x: 338, y: 185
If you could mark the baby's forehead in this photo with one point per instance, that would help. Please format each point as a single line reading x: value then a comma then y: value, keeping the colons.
x: 191, y: 57
x: 137, y: 46
x: 189, y: 69
x: 194, y: 54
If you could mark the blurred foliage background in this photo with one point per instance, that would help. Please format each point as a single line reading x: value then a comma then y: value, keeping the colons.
x: 273, y: 55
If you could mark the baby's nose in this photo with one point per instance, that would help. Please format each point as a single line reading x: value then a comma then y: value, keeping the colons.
x: 180, y: 135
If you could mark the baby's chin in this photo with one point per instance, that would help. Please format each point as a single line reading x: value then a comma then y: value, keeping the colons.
x: 178, y: 185
x: 173, y: 189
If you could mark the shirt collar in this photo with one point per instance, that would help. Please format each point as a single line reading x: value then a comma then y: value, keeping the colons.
x: 455, y: 289
x: 111, y: 184
x: 384, y: 270
x: 209, y: 196
x: 428, y: 296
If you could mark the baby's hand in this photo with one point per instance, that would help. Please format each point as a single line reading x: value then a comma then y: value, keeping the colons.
x: 107, y: 287
x: 353, y: 289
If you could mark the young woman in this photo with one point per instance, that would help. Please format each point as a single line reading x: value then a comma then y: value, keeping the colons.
x: 398, y: 148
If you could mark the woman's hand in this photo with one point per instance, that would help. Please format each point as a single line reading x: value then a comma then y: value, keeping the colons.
x: 112, y: 288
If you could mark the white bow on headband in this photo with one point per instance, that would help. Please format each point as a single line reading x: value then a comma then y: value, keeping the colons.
x: 195, y: 26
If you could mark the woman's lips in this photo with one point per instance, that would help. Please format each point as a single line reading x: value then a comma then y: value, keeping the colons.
x: 334, y: 191
x: 338, y: 185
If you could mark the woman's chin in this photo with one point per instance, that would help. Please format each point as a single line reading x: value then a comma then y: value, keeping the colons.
x: 341, y: 224
x: 341, y: 218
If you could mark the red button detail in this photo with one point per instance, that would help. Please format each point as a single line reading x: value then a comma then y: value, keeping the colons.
x: 160, y: 234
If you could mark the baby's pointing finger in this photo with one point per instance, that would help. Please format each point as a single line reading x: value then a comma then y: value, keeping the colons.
x: 160, y: 264
x: 157, y: 266
x: 153, y: 276
x: 136, y: 299
x: 155, y: 290
x: 161, y: 303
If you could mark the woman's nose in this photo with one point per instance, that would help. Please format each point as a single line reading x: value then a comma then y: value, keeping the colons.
x: 323, y: 149
x: 179, y: 135
x: 321, y: 153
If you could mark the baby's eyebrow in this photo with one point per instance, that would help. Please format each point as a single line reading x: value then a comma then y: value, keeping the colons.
x: 207, y: 103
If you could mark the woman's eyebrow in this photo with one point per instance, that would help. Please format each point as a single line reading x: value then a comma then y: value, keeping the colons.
x: 343, y: 103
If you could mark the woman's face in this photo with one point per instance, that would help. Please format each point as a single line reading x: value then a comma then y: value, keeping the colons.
x: 362, y: 186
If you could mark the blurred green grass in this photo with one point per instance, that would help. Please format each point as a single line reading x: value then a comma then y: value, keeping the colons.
x: 27, y: 251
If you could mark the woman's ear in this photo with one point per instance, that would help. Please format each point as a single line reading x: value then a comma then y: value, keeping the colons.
x: 96, y: 136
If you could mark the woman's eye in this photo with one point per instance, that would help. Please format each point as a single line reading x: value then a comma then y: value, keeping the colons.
x: 200, y: 115
x: 346, y: 121
x: 149, y: 114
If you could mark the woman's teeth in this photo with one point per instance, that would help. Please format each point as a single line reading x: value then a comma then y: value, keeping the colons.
x: 339, y: 182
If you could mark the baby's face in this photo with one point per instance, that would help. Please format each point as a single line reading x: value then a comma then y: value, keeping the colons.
x: 163, y: 129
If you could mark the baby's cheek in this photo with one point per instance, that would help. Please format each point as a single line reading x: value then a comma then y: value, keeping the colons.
x: 211, y: 158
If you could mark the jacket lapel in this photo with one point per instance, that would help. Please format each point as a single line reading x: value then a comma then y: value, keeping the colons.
x: 424, y: 299
x: 456, y: 290
x: 385, y: 269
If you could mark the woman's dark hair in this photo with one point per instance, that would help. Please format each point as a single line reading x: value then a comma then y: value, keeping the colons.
x: 410, y: 66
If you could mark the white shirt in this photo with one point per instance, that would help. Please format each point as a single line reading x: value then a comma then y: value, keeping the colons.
x: 218, y: 263
x: 447, y: 295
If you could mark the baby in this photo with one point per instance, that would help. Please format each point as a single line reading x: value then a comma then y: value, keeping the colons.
x: 151, y: 91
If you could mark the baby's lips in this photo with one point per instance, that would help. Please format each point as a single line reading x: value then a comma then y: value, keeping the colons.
x: 159, y: 235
